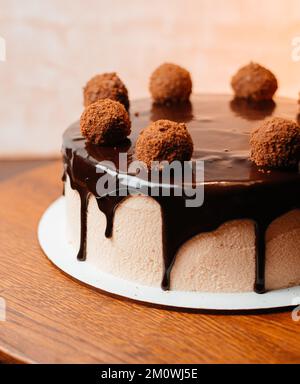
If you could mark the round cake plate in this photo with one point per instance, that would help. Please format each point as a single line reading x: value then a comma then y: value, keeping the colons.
x: 51, y: 234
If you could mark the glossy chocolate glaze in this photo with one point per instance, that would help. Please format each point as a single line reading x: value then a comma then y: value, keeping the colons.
x: 234, y: 188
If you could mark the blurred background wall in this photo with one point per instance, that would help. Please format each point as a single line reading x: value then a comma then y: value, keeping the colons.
x: 54, y: 46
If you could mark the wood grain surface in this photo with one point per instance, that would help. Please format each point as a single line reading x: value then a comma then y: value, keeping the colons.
x: 53, y: 319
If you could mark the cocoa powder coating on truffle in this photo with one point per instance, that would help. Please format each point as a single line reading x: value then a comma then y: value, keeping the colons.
x: 170, y: 83
x: 105, y: 122
x: 276, y: 143
x: 254, y: 82
x: 105, y: 86
x: 164, y: 140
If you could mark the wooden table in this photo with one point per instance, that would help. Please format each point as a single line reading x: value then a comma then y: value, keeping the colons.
x: 53, y: 319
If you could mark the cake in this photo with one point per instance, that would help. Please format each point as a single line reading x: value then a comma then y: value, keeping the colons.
x: 244, y: 237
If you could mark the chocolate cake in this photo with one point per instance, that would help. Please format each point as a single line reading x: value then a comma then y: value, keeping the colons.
x: 246, y: 234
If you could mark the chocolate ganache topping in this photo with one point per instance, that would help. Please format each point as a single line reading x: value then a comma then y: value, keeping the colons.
x: 234, y: 187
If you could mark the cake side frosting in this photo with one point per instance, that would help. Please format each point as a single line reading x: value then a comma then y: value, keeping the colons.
x: 217, y: 261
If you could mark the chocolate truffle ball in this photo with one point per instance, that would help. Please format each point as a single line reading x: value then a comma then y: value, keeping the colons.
x: 105, y: 122
x: 105, y: 86
x: 254, y: 82
x: 276, y: 143
x: 164, y: 140
x: 169, y: 84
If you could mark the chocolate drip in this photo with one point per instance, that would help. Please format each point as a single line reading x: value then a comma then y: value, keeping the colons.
x: 108, y: 205
x: 84, y: 196
x: 64, y: 178
x: 260, y: 245
x: 234, y: 188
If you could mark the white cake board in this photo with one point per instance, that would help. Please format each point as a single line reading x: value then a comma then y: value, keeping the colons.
x: 51, y: 234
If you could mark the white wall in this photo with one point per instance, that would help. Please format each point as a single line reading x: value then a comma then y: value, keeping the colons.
x: 54, y: 46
